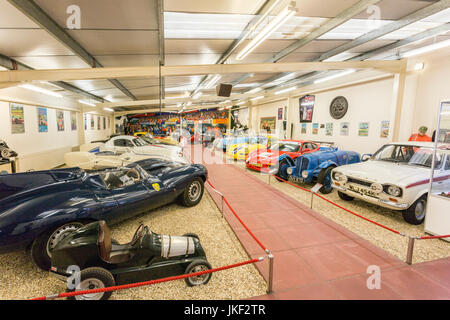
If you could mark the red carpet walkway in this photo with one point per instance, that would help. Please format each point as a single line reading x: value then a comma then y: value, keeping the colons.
x: 314, y: 257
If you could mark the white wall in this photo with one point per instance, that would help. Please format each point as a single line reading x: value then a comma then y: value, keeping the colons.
x: 95, y: 134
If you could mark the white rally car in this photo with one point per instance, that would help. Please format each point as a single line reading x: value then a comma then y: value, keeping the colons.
x: 397, y: 177
x: 136, y: 145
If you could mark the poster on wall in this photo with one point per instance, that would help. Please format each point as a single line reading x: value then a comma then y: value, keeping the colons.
x: 92, y: 122
x: 315, y: 128
x: 329, y: 129
x: 17, y: 118
x: 109, y: 124
x: 268, y: 124
x: 280, y: 113
x: 306, y: 104
x: 384, y: 131
x: 98, y: 123
x: 85, y: 121
x: 60, y: 120
x: 363, y: 129
x: 42, y: 120
x: 73, y: 120
x: 104, y: 123
x: 344, y: 128
x: 303, y: 130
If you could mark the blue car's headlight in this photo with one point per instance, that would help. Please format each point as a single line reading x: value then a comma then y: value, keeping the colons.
x: 290, y: 170
x: 305, y: 174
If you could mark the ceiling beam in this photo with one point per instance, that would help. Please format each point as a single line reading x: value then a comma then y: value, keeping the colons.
x: 11, y: 64
x: 35, y: 13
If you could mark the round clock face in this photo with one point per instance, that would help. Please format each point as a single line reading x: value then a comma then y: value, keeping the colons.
x: 338, y: 107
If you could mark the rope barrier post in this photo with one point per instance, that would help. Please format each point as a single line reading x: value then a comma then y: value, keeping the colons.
x: 222, y: 205
x: 409, y: 254
x: 270, y: 176
x: 270, y: 282
x: 312, y: 199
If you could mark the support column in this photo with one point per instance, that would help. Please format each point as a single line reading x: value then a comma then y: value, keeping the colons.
x: 399, y: 90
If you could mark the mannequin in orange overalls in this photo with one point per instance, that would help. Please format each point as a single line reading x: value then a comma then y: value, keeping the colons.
x: 421, y: 136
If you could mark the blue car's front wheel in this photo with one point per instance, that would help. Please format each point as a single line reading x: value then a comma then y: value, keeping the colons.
x: 324, y: 179
x: 282, y: 171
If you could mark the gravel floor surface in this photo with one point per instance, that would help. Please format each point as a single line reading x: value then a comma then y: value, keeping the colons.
x: 424, y: 250
x: 20, y: 279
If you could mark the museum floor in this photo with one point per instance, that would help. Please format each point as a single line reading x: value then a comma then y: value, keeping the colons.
x: 314, y: 257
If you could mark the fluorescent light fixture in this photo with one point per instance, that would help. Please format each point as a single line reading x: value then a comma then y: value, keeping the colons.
x: 277, y: 22
x: 257, y: 98
x: 179, y: 97
x: 432, y: 47
x: 419, y: 66
x: 108, y: 109
x: 334, y: 76
x: 211, y: 81
x: 40, y: 90
x: 255, y: 90
x: 285, y: 90
x: 86, y: 103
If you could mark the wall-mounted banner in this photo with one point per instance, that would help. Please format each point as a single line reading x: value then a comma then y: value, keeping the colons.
x: 384, y: 131
x: 42, y: 120
x: 92, y: 122
x: 306, y: 106
x: 73, y: 120
x: 303, y: 129
x: 344, y: 128
x: 329, y: 129
x: 60, y: 120
x: 280, y: 113
x: 17, y: 118
x: 315, y: 128
x: 363, y: 129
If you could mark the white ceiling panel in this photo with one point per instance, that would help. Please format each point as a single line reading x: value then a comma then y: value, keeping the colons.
x: 190, y: 59
x: 196, y: 45
x: 52, y: 62
x: 214, y: 6
x: 29, y: 42
x: 10, y: 17
x: 128, y: 60
x: 105, y: 14
x: 92, y: 85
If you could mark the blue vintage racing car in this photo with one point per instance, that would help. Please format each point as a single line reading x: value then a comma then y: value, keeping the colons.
x: 38, y: 209
x: 316, y: 166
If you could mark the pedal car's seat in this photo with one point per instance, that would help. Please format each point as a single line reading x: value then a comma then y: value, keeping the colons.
x: 105, y: 246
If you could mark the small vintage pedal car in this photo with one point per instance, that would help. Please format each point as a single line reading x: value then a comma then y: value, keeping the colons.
x: 104, y: 263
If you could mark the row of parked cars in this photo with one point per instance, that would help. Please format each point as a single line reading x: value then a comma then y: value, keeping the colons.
x: 61, y: 216
x: 396, y: 176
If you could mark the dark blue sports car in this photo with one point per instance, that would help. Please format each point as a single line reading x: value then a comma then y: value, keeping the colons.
x: 38, y: 209
x: 316, y: 166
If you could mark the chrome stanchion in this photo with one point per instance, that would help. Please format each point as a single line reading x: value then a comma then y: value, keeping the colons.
x: 270, y: 281
x: 409, y: 254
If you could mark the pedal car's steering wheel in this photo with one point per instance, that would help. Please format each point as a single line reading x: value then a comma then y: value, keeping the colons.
x: 138, y: 234
x: 133, y: 174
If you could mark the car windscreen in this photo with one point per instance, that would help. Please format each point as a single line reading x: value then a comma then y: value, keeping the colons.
x: 120, y: 178
x: 285, y: 146
x: 407, y: 154
x: 139, y: 142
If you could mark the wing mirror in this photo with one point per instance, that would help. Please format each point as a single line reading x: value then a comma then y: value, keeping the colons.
x: 366, y: 156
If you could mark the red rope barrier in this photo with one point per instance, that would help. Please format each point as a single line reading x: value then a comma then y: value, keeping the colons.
x: 146, y: 283
x: 239, y: 219
x: 434, y: 237
x: 289, y: 183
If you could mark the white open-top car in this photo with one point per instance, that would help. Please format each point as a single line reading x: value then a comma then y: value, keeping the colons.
x: 397, y: 177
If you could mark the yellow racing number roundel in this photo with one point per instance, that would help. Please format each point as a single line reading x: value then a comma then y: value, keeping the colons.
x: 155, y: 186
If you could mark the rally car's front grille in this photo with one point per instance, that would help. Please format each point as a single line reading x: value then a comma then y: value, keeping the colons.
x: 360, y: 182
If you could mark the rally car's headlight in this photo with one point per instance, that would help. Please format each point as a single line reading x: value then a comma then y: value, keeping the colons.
x: 305, y: 174
x: 340, y: 177
x: 394, y: 191
x: 289, y: 171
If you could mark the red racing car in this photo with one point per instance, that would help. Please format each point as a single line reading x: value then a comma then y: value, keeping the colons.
x: 266, y: 160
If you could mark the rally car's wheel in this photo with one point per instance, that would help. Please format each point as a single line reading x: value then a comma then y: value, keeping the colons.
x: 193, y: 193
x: 344, y: 196
x: 94, y: 278
x: 44, y: 244
x: 324, y: 179
x: 192, y: 235
x: 415, y: 214
x: 198, y: 266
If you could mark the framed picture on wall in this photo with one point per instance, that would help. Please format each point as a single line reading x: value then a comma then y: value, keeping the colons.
x: 315, y: 128
x: 92, y: 122
x: 306, y: 107
x: 104, y: 123
x: 268, y: 124
x: 60, y: 120
x: 42, y: 120
x: 344, y: 128
x: 73, y: 120
x: 280, y: 113
x: 17, y: 118
x: 329, y: 129
x: 363, y: 129
x: 98, y: 123
x: 303, y: 128
x: 384, y: 130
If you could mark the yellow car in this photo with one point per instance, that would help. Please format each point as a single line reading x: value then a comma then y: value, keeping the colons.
x: 139, y: 134
x: 240, y: 151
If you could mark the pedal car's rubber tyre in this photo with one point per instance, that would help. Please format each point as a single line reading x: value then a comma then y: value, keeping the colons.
x: 415, y: 214
x: 41, y: 246
x: 94, y: 278
x: 193, y: 193
x: 344, y: 196
x: 324, y: 178
x: 192, y: 235
x: 197, y: 266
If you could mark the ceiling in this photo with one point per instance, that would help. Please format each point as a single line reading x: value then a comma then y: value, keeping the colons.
x: 117, y: 33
